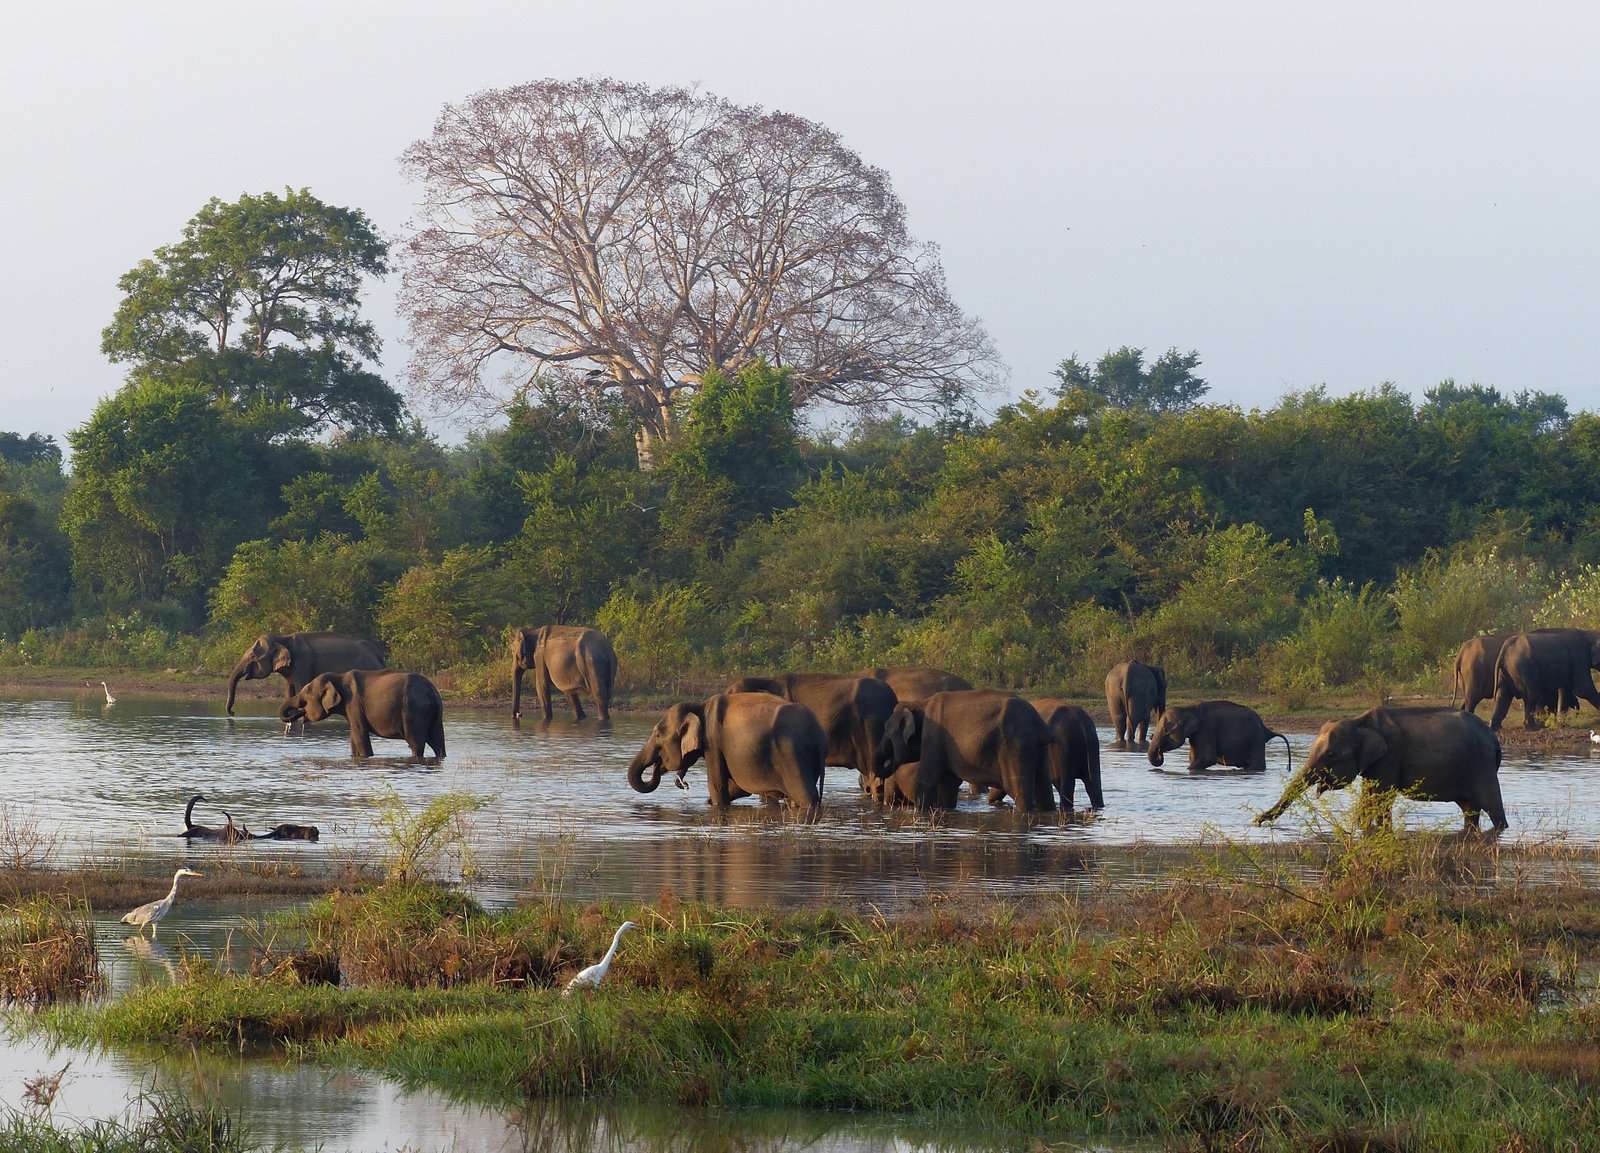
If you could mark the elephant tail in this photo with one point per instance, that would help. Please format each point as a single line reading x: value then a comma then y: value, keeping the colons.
x: 1287, y: 751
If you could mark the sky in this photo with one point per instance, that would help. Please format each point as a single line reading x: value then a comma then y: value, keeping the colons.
x: 1335, y: 194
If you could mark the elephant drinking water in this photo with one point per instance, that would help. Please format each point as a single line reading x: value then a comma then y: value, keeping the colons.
x: 1218, y: 732
x: 298, y: 657
x: 752, y: 744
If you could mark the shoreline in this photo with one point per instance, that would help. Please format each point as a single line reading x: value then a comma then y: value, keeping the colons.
x: 1305, y: 721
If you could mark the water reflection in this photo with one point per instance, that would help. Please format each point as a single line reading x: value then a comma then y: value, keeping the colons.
x: 307, y: 1108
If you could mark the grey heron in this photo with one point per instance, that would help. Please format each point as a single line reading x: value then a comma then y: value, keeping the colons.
x: 591, y: 977
x: 110, y: 696
x: 151, y: 913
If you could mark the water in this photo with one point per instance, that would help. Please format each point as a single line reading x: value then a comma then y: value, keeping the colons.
x: 95, y: 784
x: 86, y: 783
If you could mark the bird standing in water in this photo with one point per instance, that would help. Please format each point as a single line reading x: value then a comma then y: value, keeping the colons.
x: 591, y: 977
x: 110, y: 698
x: 155, y: 910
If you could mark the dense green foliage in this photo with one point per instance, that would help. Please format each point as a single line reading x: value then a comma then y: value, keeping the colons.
x: 1326, y: 541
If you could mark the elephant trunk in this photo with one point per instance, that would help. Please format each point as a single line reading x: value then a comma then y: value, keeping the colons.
x: 240, y: 672
x: 1157, y: 757
x: 516, y: 689
x: 1291, y: 793
x: 645, y: 759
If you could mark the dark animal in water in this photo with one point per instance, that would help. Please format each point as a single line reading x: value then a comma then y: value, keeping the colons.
x: 228, y: 834
x: 290, y: 833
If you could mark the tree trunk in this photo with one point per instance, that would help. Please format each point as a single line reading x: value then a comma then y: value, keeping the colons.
x: 656, y: 421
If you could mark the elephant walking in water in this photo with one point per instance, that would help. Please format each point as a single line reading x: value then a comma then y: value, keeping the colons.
x: 1135, y: 690
x: 1218, y: 732
x: 1076, y: 754
x: 1432, y: 754
x: 752, y: 744
x: 298, y: 657
x: 571, y: 658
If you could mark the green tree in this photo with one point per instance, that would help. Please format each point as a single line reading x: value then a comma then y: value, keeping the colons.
x: 260, y: 301
x: 164, y: 487
x: 736, y: 459
x: 330, y: 583
x: 1121, y: 379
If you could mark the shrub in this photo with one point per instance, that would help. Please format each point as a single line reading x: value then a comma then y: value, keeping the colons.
x: 1447, y: 599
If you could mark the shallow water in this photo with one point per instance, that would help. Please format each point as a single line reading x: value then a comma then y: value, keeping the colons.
x: 91, y: 783
x: 338, y: 1110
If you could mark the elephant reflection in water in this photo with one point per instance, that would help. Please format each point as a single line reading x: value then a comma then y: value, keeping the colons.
x: 888, y: 874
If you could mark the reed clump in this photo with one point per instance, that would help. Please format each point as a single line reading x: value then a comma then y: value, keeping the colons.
x: 48, y: 952
x: 416, y: 935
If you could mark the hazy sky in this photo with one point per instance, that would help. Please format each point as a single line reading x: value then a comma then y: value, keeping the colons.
x: 1306, y: 193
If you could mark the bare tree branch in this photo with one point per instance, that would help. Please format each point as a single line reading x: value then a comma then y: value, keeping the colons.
x: 632, y: 237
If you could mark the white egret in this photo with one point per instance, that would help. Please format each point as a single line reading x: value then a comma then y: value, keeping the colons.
x: 591, y: 977
x: 1594, y: 736
x: 110, y: 697
x: 155, y: 910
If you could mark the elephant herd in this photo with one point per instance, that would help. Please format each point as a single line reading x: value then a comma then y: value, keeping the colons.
x: 915, y: 735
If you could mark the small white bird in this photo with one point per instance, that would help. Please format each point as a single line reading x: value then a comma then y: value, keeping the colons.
x: 592, y: 976
x: 155, y: 910
x: 1594, y: 736
x: 110, y: 696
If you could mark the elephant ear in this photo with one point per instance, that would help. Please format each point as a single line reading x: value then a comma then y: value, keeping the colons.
x: 330, y: 695
x: 281, y: 659
x: 1370, y: 748
x: 693, y: 741
x: 1191, y: 724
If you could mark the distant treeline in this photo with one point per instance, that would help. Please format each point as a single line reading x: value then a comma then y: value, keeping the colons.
x: 1326, y: 541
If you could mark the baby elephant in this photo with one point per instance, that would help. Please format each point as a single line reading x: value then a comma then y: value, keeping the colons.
x: 386, y: 702
x: 1218, y: 732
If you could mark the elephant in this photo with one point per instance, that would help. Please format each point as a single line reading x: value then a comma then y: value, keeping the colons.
x: 1218, y: 732
x: 1076, y: 754
x: 1474, y: 676
x: 301, y: 656
x: 752, y: 743
x: 386, y: 702
x: 571, y: 658
x: 853, y: 711
x: 988, y: 738
x: 1547, y: 669
x: 915, y: 683
x: 1434, y: 754
x: 289, y: 833
x: 1134, y: 690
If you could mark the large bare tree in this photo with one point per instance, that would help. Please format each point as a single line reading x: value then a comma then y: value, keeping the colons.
x: 629, y: 238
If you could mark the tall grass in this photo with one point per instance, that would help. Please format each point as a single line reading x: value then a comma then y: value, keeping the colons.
x: 47, y: 951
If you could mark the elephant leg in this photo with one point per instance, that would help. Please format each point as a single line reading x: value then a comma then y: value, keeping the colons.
x: 360, y: 740
x: 1489, y: 800
x: 574, y: 698
x: 1504, y: 694
x: 547, y: 690
x: 1469, y: 817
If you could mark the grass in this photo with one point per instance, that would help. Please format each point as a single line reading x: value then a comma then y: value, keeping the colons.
x: 156, y: 1123
x: 1388, y: 992
x: 47, y: 952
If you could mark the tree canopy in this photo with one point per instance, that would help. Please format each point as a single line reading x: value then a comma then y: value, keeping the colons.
x: 260, y: 302
x: 1121, y: 379
x: 632, y: 238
